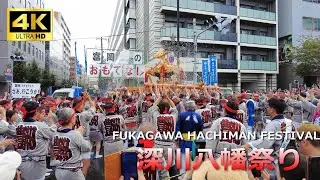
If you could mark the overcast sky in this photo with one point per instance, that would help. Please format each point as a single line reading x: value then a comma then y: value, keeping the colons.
x: 86, y: 18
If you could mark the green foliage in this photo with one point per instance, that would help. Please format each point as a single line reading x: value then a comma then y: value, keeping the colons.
x: 308, y: 57
x: 33, y: 72
x: 45, y: 79
x: 52, y: 80
x: 19, y: 72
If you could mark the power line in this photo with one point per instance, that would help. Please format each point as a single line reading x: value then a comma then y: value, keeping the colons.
x: 99, y: 36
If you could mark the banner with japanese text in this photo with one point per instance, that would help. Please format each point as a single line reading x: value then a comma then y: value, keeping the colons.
x: 94, y: 70
x: 117, y: 70
x: 129, y: 71
x: 106, y: 70
x: 205, y: 72
x: 213, y: 70
x: 140, y: 71
x: 25, y: 90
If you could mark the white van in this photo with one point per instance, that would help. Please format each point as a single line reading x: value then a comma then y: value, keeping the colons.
x: 64, y: 92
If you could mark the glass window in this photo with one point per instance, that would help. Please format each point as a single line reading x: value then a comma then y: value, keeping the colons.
x: 263, y: 33
x: 307, y: 23
x: 132, y: 43
x: 246, y: 57
x: 36, y: 52
x: 19, y: 44
x: 13, y: 43
x: 244, y: 31
x: 29, y: 48
x: 32, y: 50
x: 40, y: 57
x: 29, y: 4
x: 24, y: 46
x: 263, y: 58
x: 219, y: 56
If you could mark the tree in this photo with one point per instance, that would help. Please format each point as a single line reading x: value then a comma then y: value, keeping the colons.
x: 45, y: 80
x: 52, y: 80
x: 308, y: 57
x: 19, y: 72
x: 33, y: 72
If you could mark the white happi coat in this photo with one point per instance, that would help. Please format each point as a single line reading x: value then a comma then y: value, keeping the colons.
x: 225, y: 124
x: 206, y: 115
x: 112, y: 123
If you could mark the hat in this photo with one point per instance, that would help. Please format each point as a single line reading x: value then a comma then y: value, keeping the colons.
x: 4, y: 102
x: 191, y: 105
x: 107, y: 106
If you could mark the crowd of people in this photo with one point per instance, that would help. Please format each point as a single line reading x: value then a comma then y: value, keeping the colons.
x: 64, y: 134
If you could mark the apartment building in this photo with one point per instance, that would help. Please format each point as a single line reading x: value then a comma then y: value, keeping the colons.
x: 297, y: 19
x: 247, y: 54
x: 29, y: 50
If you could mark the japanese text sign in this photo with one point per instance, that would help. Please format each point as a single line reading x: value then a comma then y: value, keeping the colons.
x: 25, y: 90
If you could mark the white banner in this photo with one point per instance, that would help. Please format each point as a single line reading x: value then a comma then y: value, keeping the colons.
x: 94, y: 70
x: 117, y: 70
x: 106, y: 70
x: 108, y: 57
x: 25, y: 90
x: 137, y: 58
x: 129, y: 71
x: 139, y: 71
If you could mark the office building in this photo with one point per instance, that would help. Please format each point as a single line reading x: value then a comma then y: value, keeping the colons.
x: 247, y: 54
x: 59, y: 49
x: 297, y: 19
x: 31, y: 50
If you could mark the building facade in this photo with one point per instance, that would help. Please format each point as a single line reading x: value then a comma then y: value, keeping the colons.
x: 247, y: 54
x: 297, y: 19
x: 60, y: 49
x: 31, y: 50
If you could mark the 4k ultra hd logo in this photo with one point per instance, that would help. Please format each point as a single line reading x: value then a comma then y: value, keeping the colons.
x: 29, y: 24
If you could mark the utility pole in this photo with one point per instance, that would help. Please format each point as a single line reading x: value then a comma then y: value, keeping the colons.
x: 101, y: 50
x: 178, y: 32
x: 223, y: 23
x: 195, y: 51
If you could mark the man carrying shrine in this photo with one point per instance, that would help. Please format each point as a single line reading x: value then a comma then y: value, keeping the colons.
x: 96, y: 132
x: 68, y: 145
x: 129, y: 111
x: 164, y: 119
x: 112, y: 123
x: 224, y: 126
x: 83, y: 118
x: 33, y: 136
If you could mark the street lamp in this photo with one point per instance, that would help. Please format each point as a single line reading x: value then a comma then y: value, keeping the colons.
x: 220, y: 23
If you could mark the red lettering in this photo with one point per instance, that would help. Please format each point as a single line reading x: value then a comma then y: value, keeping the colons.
x: 206, y: 116
x: 61, y: 150
x: 131, y: 111
x: 94, y: 121
x: 111, y: 125
x: 165, y: 123
x: 230, y: 127
x: 26, y: 137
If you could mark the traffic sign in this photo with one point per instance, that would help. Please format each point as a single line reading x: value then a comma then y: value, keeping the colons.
x: 8, y: 78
